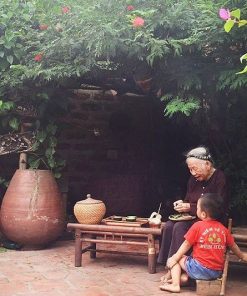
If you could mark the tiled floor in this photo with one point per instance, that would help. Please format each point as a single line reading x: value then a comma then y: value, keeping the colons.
x: 51, y: 272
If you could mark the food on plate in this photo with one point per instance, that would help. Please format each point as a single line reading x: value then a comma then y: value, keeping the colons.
x: 181, y: 217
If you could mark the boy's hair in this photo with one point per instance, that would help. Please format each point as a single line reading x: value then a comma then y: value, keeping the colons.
x: 213, y: 205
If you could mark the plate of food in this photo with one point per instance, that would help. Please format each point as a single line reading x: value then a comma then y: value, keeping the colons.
x: 181, y: 217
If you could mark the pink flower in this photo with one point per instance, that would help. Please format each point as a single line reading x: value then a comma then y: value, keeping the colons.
x: 130, y: 7
x: 138, y: 22
x: 224, y: 14
x: 38, y: 57
x: 65, y: 9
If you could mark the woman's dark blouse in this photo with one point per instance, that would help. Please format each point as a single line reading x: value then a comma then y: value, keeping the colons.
x: 216, y: 184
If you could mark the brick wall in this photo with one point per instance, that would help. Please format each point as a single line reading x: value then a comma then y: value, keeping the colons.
x: 107, y: 146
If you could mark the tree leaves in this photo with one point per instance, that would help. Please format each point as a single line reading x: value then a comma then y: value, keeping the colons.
x: 14, y: 123
x: 6, y: 106
x: 243, y: 57
x: 95, y: 37
x: 10, y: 59
x: 243, y: 71
x: 44, y: 150
x: 228, y: 25
x: 236, y: 13
x: 181, y: 105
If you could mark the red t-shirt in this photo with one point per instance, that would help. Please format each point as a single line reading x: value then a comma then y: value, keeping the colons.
x: 209, y: 240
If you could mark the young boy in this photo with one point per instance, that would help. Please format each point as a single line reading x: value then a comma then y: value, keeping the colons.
x: 209, y: 240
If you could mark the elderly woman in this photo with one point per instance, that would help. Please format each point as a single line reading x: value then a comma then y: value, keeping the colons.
x: 205, y: 178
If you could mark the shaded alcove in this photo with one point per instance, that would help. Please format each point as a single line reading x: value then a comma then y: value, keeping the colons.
x: 134, y: 161
x: 122, y: 150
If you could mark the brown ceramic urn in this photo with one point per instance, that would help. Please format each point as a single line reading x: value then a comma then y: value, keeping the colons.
x: 32, y: 211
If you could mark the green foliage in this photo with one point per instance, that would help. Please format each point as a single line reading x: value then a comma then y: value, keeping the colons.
x: 175, y: 105
x: 5, y: 106
x: 14, y: 123
x: 229, y: 80
x: 228, y: 25
x: 173, y: 31
x: 44, y: 151
x: 236, y: 20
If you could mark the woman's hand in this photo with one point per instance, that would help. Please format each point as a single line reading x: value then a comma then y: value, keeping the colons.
x: 181, y: 207
x: 177, y: 202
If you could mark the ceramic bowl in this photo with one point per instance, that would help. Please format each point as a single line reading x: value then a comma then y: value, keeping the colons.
x: 117, y: 218
x: 131, y: 218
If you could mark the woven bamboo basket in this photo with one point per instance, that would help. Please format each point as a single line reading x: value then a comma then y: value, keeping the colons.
x: 89, y: 210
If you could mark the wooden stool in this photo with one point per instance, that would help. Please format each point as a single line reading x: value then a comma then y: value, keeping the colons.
x: 209, y: 288
x: 215, y: 287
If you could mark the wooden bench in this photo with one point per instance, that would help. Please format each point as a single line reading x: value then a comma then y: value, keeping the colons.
x: 217, y: 287
x: 115, y: 235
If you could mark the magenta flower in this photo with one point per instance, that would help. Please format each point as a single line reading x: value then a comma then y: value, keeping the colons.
x: 130, y: 7
x: 224, y: 14
x: 38, y: 57
x: 138, y: 22
x: 65, y: 9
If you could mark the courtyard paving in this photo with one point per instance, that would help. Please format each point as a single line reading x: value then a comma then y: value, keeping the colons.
x: 51, y: 272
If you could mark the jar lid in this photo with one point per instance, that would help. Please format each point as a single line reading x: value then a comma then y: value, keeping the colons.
x: 89, y: 200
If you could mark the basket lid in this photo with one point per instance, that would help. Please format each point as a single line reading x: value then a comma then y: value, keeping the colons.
x: 89, y: 200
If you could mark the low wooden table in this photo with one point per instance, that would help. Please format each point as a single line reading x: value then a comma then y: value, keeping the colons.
x: 119, y: 235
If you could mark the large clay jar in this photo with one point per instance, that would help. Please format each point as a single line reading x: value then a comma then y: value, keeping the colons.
x: 89, y: 210
x: 32, y: 211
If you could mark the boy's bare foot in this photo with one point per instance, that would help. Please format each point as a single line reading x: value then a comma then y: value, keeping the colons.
x: 183, y: 279
x: 166, y: 277
x: 170, y: 287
